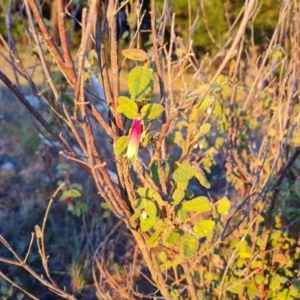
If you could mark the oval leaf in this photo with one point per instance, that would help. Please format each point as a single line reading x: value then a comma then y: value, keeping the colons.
x: 150, y: 208
x: 223, y: 206
x: 146, y: 192
x: 177, y: 196
x: 204, y: 228
x: 121, y: 145
x: 188, y: 246
x: 205, y: 128
x: 183, y: 173
x: 151, y: 111
x: 154, y: 239
x: 199, y: 174
x: 174, y: 138
x: 127, y: 107
x: 140, y: 82
x: 147, y: 223
x: 206, y: 103
x: 135, y: 54
x: 199, y: 204
x: 173, y: 238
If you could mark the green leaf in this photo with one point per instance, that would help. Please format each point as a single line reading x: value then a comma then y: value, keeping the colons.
x: 199, y: 174
x: 235, y: 287
x: 163, y: 256
x: 145, y: 192
x: 150, y: 208
x: 188, y: 246
x: 174, y: 138
x: 139, y: 203
x: 199, y: 204
x: 147, y: 223
x: 295, y: 289
x: 127, y: 107
x: 205, y: 128
x: 181, y: 213
x: 135, y: 54
x: 154, y: 172
x: 259, y: 278
x: 177, y: 196
x: 136, y: 215
x: 251, y: 289
x: 104, y: 205
x: 277, y: 281
x: 182, y: 185
x: 204, y: 228
x: 189, y: 194
x: 120, y: 146
x: 192, y: 95
x: 151, y: 111
x: 206, y: 103
x: 77, y: 186
x: 154, y: 239
x: 84, y: 208
x: 140, y: 82
x: 73, y: 193
x: 223, y: 206
x: 183, y: 173
x: 158, y: 198
x: 173, y: 238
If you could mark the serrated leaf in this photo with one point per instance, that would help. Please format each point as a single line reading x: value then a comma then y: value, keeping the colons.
x: 145, y: 192
x: 173, y: 238
x: 188, y: 246
x: 151, y: 111
x: 174, y: 138
x: 223, y: 205
x: 199, y: 174
x: 182, y: 185
x: 120, y: 146
x: 205, y: 128
x: 177, y: 197
x: 183, y: 173
x: 140, y: 82
x: 154, y: 239
x: 134, y: 54
x: 204, y: 228
x: 199, y: 204
x: 147, y: 223
x: 181, y: 212
x: 127, y: 107
x: 151, y: 209
x: 139, y: 203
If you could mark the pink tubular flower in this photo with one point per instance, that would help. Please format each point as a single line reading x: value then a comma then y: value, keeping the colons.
x: 134, y: 139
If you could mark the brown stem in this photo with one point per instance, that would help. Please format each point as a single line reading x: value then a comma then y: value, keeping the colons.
x: 114, y: 55
x: 62, y: 28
